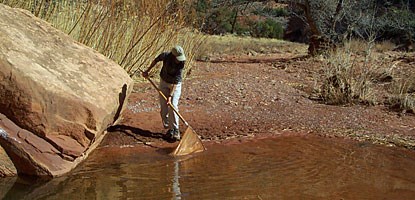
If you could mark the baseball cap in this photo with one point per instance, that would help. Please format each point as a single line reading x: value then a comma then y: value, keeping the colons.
x: 179, y: 53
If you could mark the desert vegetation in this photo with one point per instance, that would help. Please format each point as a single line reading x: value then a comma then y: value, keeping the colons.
x: 402, y: 95
x: 240, y: 17
x: 349, y: 36
x: 128, y: 32
x: 350, y: 78
x: 359, y: 72
x: 322, y: 24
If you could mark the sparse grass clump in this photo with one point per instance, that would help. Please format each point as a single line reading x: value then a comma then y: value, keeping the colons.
x: 402, y: 94
x: 384, y: 46
x: 338, y: 78
x: 349, y: 78
x: 360, y: 46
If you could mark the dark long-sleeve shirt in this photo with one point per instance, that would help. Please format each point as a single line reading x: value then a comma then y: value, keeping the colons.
x: 171, y: 72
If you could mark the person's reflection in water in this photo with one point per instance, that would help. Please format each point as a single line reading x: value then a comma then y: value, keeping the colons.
x: 176, y: 184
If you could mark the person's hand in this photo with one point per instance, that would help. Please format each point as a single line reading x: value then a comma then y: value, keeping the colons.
x: 169, y: 100
x: 145, y: 74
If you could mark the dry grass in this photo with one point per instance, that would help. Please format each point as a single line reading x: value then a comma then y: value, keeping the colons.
x: 129, y: 32
x: 236, y: 45
x: 348, y: 76
x: 360, y: 46
x: 357, y: 46
x: 402, y: 94
x: 384, y: 46
x: 356, y: 74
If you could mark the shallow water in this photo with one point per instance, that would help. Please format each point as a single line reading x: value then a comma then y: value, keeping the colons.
x: 277, y: 168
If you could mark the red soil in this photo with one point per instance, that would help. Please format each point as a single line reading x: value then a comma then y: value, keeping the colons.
x: 259, y: 96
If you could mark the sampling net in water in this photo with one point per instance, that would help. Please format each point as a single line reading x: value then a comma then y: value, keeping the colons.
x: 190, y: 143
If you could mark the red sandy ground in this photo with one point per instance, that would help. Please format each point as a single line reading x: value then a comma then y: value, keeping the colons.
x: 231, y: 98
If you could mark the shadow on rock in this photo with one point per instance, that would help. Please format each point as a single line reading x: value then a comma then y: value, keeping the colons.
x: 139, y: 134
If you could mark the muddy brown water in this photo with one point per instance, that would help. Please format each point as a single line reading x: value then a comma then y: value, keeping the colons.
x: 273, y: 168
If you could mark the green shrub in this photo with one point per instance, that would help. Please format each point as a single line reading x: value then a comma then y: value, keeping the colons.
x: 271, y: 12
x: 219, y: 22
x: 397, y: 25
x: 268, y: 28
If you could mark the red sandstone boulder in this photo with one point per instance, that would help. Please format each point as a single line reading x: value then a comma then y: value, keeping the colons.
x: 57, y: 96
x: 6, y: 165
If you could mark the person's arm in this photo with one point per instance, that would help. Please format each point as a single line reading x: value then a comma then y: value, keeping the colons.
x: 159, y: 58
x: 145, y: 73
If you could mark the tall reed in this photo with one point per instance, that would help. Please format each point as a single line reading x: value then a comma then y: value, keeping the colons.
x: 130, y: 32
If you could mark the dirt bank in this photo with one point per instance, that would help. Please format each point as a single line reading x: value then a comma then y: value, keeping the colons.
x: 259, y: 95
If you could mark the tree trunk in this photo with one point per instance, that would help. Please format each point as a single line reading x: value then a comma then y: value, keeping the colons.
x: 235, y: 18
x: 315, y: 35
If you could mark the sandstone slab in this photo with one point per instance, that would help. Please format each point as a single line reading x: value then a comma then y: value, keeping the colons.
x: 57, y: 96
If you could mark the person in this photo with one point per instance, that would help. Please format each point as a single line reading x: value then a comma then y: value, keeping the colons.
x: 170, y: 85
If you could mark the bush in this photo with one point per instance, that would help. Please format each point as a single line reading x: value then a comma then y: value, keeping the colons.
x: 271, y: 12
x: 219, y: 21
x: 398, y: 25
x: 269, y: 29
x: 239, y: 17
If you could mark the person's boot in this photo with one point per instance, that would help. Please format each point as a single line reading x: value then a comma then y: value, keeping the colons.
x: 165, y: 125
x: 169, y: 136
x: 176, y: 134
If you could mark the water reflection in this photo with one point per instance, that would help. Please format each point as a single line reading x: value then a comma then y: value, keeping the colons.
x: 281, y: 168
x: 176, y: 183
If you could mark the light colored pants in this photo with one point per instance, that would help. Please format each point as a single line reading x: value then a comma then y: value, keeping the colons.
x: 169, y: 118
